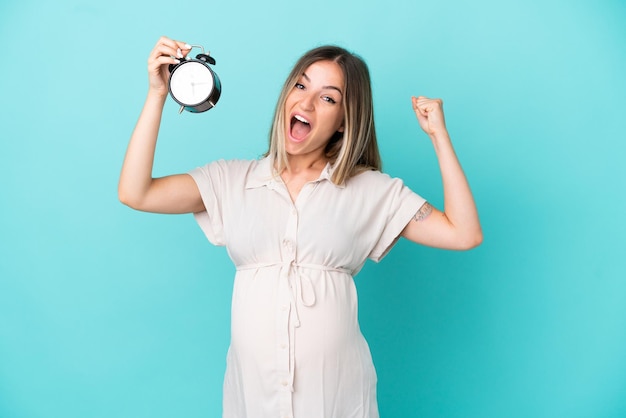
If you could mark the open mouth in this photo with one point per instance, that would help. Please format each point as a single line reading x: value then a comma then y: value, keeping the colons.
x: 300, y: 127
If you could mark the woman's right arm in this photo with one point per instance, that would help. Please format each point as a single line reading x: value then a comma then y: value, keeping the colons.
x: 137, y: 188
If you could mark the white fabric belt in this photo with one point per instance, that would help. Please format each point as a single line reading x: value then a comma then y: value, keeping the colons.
x: 304, y: 291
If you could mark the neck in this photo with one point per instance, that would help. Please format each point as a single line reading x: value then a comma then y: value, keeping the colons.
x: 305, y: 163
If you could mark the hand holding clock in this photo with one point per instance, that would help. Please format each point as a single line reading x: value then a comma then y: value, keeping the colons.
x: 167, y: 51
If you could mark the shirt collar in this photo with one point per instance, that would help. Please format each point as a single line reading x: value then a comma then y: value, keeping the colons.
x: 262, y: 174
x: 327, y: 174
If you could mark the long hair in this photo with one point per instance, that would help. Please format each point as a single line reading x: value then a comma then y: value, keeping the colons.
x: 353, y: 150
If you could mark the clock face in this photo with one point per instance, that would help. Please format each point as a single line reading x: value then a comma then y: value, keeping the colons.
x: 191, y: 83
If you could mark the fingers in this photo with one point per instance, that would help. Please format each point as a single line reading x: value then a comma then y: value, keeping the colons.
x: 173, y: 48
x: 429, y: 113
x: 423, y: 105
x: 167, y: 51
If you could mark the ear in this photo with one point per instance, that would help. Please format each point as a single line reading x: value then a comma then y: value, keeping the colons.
x: 341, y: 129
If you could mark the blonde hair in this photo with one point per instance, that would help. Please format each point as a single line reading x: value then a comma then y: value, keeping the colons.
x: 353, y: 150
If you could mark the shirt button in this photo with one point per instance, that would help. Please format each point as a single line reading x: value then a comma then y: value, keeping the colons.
x: 284, y: 307
x: 283, y: 346
x: 284, y: 383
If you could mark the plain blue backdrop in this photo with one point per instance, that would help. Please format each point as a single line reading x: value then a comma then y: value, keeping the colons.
x: 108, y: 312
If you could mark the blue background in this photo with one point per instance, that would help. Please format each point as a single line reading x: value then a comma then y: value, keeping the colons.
x: 108, y: 312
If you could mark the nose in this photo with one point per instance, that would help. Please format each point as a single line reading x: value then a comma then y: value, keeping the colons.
x: 307, y: 102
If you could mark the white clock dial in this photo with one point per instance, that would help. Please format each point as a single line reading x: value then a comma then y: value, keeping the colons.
x: 191, y: 83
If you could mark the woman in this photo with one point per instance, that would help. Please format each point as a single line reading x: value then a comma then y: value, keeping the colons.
x: 299, y: 224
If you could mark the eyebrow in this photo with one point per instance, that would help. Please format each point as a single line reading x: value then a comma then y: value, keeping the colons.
x: 323, y: 87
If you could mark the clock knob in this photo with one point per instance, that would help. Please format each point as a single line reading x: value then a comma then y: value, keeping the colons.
x: 206, y: 58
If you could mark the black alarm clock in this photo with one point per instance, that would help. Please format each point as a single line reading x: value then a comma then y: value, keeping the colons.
x: 193, y: 84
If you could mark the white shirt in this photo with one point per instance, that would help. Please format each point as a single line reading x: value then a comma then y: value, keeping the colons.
x: 296, y: 347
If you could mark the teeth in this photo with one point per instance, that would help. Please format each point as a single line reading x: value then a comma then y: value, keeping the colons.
x: 301, y: 119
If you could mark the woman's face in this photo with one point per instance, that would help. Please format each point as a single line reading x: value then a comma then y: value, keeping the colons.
x: 314, y: 109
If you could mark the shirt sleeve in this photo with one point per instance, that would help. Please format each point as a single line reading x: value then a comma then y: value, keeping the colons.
x: 211, y: 180
x: 399, y: 204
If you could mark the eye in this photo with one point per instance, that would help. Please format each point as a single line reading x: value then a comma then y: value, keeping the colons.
x: 299, y: 86
x: 329, y: 99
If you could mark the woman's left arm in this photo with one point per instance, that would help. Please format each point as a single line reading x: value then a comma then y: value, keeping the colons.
x: 457, y: 227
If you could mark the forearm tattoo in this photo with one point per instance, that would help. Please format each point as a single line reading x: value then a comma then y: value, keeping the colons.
x: 423, y: 212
